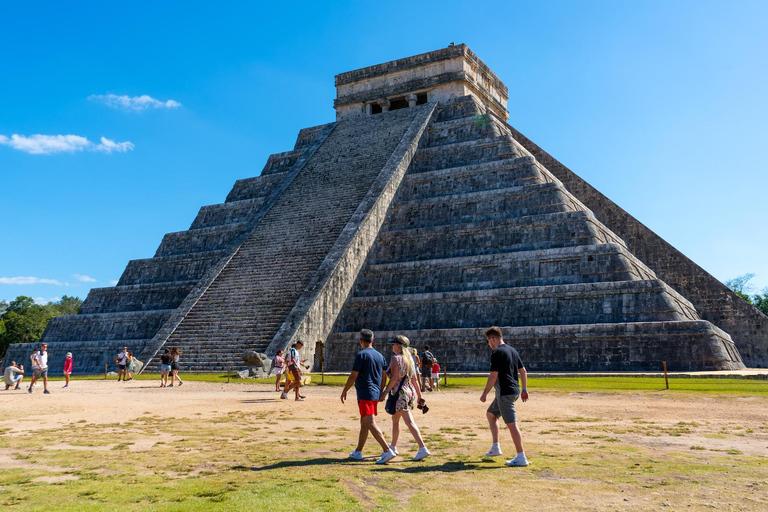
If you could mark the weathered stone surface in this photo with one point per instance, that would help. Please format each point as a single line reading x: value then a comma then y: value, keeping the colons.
x: 432, y: 220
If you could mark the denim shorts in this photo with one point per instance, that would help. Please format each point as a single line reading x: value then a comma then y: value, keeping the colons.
x: 165, y: 368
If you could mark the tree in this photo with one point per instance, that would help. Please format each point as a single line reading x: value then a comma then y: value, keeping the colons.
x: 740, y: 286
x: 760, y: 301
x: 23, y: 321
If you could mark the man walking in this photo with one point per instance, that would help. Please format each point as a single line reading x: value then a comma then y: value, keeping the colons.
x: 506, y: 365
x: 426, y: 361
x: 369, y: 379
x: 40, y: 368
x: 294, y: 367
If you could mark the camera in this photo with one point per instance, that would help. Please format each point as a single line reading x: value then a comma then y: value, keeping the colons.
x: 423, y: 406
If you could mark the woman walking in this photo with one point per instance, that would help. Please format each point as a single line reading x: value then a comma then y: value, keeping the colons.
x: 176, y: 355
x: 406, y: 390
x: 278, y: 365
x: 165, y: 367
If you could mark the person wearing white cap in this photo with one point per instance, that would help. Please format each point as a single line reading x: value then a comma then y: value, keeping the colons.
x: 67, y: 367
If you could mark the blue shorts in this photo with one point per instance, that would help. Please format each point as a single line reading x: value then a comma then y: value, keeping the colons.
x: 165, y: 368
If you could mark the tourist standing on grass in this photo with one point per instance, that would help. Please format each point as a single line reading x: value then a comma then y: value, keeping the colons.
x: 40, y: 368
x: 368, y: 377
x: 427, y: 360
x: 68, y: 368
x: 506, y: 365
x: 122, y: 365
x: 278, y: 366
x: 165, y: 367
x: 294, y: 367
x: 404, y: 384
x: 13, y: 375
x: 436, y: 376
x: 176, y: 357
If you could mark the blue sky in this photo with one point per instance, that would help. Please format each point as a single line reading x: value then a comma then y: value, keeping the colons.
x: 659, y: 105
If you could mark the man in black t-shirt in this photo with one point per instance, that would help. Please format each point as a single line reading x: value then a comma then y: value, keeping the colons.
x: 506, y: 366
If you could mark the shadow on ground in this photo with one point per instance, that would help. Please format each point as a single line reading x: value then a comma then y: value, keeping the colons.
x: 398, y: 466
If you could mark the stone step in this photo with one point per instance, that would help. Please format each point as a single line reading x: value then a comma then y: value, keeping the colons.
x: 106, y: 326
x: 308, y: 136
x: 281, y: 162
x: 534, y: 232
x: 180, y: 267
x: 510, y: 172
x: 502, y: 203
x: 136, y: 297
x: 226, y: 213
x: 631, y: 346
x: 250, y: 298
x: 459, y: 154
x: 258, y: 186
x: 199, y: 240
x: 610, y: 302
x: 471, y: 128
x: 566, y: 265
x: 462, y: 107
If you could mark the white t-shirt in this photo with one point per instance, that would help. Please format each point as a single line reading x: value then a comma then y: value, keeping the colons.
x: 122, y: 358
x: 41, y: 360
x: 293, y: 358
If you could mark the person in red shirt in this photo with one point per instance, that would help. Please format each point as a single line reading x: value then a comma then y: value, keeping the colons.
x: 436, y: 376
x: 67, y: 368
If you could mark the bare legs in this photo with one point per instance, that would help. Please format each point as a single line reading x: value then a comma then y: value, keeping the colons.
x: 278, y: 378
x: 517, y: 438
x: 408, y: 419
x: 368, y: 424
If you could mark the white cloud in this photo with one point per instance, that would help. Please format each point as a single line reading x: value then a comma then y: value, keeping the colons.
x: 48, y: 144
x: 43, y: 301
x: 84, y: 278
x: 30, y: 280
x: 132, y: 103
x: 108, y: 146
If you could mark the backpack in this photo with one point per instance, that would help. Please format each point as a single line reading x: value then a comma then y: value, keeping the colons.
x: 427, y: 359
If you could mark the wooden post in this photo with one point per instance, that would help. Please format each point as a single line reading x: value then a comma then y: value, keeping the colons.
x: 229, y: 370
x: 106, y: 367
x: 666, y: 379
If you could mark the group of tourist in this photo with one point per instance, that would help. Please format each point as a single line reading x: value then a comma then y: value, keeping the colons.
x: 169, y: 366
x: 14, y: 372
x: 291, y: 366
x: 400, y: 387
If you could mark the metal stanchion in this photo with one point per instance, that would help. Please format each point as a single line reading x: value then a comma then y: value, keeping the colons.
x: 666, y: 379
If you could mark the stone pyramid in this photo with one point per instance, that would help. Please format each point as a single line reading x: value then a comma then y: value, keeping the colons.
x: 419, y: 211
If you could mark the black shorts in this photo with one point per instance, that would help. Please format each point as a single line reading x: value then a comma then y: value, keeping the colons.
x: 175, y: 366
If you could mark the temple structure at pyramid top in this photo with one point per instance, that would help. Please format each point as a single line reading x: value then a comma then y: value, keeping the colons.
x: 437, y: 76
x: 419, y: 211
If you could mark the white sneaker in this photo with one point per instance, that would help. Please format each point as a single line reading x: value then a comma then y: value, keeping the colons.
x: 423, y: 453
x: 518, y: 461
x: 495, y: 451
x: 356, y: 455
x: 283, y: 396
x: 394, y: 449
x: 386, y: 457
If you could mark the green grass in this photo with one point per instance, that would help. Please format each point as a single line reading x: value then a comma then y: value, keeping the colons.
x: 586, y: 384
